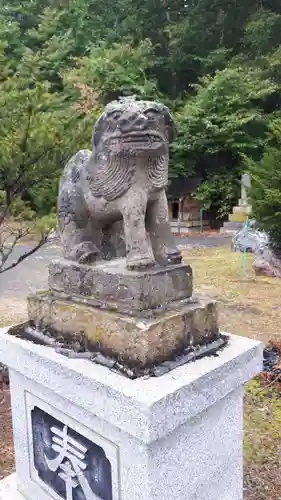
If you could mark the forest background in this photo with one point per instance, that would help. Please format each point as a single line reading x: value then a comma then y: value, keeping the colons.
x: 215, y: 63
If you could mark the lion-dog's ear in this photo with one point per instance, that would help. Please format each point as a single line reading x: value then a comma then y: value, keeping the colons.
x: 97, y: 132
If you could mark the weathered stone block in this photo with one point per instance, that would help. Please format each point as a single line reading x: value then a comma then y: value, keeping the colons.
x: 112, y: 284
x: 136, y: 340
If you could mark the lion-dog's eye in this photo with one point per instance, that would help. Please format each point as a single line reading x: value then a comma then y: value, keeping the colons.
x: 151, y: 114
x: 116, y: 115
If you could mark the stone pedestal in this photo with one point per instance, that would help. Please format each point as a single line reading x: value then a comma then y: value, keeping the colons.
x: 111, y: 285
x: 83, y: 432
x: 138, y: 340
x: 141, y: 317
x: 237, y: 219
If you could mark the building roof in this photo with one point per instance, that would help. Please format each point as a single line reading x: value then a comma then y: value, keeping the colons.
x: 182, y: 186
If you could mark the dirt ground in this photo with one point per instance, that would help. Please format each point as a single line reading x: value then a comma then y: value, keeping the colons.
x: 247, y: 306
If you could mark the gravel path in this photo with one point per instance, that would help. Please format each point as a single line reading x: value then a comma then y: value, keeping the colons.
x: 30, y: 275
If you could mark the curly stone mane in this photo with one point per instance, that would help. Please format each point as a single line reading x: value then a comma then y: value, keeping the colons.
x: 126, y: 130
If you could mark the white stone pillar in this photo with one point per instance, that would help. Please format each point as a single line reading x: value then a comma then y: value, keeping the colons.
x: 245, y: 186
x: 175, y: 437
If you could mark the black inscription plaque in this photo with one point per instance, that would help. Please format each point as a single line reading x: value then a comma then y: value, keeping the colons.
x: 70, y: 464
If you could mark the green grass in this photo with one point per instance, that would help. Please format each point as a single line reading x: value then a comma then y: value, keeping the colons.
x: 248, y: 305
x: 262, y: 441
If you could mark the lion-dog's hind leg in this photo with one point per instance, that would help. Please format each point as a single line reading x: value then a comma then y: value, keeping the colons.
x: 113, y: 242
x: 81, y: 242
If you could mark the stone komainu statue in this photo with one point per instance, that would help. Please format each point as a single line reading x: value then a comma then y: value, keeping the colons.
x: 112, y: 201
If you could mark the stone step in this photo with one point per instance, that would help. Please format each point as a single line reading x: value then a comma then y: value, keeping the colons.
x: 232, y: 226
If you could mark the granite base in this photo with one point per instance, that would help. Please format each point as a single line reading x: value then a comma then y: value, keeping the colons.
x: 9, y: 489
x: 176, y: 437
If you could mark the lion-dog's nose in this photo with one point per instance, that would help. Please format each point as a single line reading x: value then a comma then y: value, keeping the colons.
x: 132, y: 122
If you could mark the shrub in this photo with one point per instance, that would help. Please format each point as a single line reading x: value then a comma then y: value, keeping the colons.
x: 266, y: 194
x: 21, y: 210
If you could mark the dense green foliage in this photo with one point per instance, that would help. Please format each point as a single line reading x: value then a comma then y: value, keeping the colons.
x: 266, y: 187
x: 216, y: 63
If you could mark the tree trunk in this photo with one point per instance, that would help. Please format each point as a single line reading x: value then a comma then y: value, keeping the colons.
x: 8, y: 195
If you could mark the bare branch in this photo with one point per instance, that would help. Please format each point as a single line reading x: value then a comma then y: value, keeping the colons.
x: 12, y: 238
x: 24, y: 256
x: 4, y: 213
